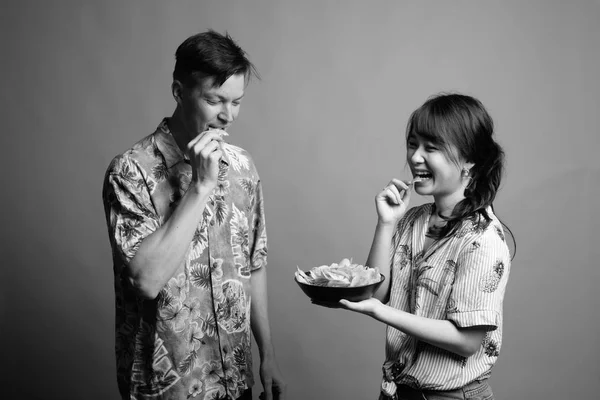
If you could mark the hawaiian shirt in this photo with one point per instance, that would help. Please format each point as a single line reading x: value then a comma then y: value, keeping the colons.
x: 462, y: 279
x: 193, y: 340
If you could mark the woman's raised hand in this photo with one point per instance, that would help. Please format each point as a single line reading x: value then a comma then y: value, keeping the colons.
x: 392, y: 202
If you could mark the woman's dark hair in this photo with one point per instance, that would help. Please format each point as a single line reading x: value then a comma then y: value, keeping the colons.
x: 456, y: 121
x: 210, y: 54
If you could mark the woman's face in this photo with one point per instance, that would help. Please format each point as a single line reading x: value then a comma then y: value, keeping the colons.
x: 440, y: 176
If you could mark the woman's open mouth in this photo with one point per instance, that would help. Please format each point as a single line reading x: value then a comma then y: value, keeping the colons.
x: 422, y: 176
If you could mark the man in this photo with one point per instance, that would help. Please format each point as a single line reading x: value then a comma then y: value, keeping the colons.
x: 187, y: 228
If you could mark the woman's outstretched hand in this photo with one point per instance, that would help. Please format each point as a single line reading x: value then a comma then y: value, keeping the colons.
x: 368, y: 306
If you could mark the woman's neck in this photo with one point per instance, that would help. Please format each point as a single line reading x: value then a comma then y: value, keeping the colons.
x: 444, y: 205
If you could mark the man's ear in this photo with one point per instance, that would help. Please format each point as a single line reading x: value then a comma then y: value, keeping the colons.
x: 177, y: 90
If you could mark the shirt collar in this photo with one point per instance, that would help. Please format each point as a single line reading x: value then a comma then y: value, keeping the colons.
x: 170, y: 150
x: 166, y: 144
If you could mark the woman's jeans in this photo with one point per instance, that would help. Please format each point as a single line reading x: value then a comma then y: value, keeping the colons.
x: 477, y: 390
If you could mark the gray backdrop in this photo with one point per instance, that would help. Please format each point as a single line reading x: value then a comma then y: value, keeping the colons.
x: 84, y: 80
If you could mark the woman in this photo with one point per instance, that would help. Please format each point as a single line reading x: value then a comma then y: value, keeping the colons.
x: 446, y: 263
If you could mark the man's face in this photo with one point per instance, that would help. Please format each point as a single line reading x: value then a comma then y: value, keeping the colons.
x: 207, y: 107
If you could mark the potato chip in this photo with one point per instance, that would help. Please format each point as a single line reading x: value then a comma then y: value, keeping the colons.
x: 344, y: 274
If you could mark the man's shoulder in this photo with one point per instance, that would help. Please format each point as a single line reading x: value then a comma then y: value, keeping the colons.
x: 143, y: 154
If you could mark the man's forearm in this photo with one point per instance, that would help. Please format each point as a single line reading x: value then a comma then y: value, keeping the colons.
x: 163, y: 251
x: 259, y: 319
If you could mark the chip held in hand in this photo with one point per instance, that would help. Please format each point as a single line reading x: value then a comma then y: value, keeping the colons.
x: 222, y: 134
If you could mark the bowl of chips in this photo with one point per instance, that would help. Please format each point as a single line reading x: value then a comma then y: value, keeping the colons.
x: 343, y: 280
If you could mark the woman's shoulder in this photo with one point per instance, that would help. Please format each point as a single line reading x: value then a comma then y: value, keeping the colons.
x: 416, y: 212
x: 488, y: 232
x: 413, y: 214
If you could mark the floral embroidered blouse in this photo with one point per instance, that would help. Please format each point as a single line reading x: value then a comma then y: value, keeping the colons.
x: 461, y: 279
x: 193, y: 340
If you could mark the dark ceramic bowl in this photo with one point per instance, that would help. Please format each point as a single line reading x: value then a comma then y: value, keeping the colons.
x: 334, y: 294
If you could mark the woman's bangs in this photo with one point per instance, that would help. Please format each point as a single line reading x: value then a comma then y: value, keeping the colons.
x: 428, y: 126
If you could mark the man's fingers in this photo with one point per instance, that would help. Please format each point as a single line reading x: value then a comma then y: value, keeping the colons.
x: 203, y: 139
x: 216, y: 156
x: 206, y: 150
x: 268, y: 391
x: 279, y: 393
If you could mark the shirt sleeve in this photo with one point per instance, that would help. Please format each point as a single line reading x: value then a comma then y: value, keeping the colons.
x: 130, y: 215
x: 400, y: 252
x: 477, y: 295
x: 259, y: 231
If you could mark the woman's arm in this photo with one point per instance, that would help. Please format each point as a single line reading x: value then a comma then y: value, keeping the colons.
x: 440, y: 333
x: 391, y: 205
x: 379, y: 257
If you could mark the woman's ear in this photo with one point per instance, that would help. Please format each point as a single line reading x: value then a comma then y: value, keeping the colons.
x: 467, y: 166
x: 466, y: 171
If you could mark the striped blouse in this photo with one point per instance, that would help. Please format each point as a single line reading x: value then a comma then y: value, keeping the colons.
x: 462, y: 279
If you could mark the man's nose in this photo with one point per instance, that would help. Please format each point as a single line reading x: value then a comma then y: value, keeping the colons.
x: 226, y: 113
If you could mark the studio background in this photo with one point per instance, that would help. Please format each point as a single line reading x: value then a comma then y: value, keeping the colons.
x: 84, y: 80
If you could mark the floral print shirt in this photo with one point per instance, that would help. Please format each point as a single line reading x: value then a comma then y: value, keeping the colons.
x: 461, y: 279
x: 193, y: 340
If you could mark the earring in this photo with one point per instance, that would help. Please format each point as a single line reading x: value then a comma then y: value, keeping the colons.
x: 465, y: 174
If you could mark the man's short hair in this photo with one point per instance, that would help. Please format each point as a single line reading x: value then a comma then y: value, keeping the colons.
x: 210, y: 54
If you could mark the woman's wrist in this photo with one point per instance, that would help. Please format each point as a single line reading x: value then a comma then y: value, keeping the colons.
x: 378, y: 311
x: 386, y: 225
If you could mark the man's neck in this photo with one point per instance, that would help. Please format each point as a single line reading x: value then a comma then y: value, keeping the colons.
x: 178, y: 131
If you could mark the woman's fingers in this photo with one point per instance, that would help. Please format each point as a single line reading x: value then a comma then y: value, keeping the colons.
x: 389, y: 195
x: 403, y: 189
x: 397, y: 191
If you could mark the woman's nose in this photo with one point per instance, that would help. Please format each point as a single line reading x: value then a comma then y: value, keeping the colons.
x: 416, y: 156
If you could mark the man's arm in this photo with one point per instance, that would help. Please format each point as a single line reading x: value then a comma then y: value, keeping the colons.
x: 271, y: 378
x: 161, y: 253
